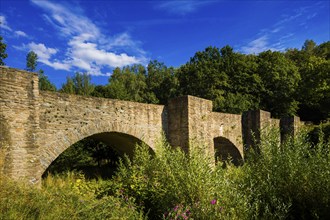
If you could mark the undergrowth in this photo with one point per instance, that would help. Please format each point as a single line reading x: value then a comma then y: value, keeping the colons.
x: 287, y: 181
x: 65, y: 197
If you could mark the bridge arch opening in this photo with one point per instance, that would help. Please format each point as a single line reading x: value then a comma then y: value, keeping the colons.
x: 96, y: 155
x: 225, y: 150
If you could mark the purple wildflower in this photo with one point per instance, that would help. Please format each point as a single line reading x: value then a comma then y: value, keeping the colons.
x: 213, y: 202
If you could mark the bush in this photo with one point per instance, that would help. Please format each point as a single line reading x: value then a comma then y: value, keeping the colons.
x: 62, y: 198
x: 278, y: 181
x: 174, y: 184
x: 290, y: 181
x: 320, y: 132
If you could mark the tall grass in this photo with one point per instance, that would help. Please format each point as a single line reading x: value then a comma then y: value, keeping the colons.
x: 67, y: 197
x: 287, y: 181
x: 291, y: 181
x: 173, y: 185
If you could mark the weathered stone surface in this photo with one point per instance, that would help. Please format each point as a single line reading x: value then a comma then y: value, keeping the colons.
x: 37, y: 126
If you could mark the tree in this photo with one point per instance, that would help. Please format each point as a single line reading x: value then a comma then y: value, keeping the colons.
x: 68, y: 87
x: 129, y: 83
x: 323, y: 50
x: 31, y: 61
x: 203, y: 76
x: 44, y: 83
x: 280, y: 78
x: 162, y: 83
x: 227, y: 78
x: 245, y: 85
x: 314, y: 87
x: 101, y: 91
x: 3, y: 54
x: 309, y: 46
x: 31, y: 65
x: 79, y: 84
x: 83, y: 85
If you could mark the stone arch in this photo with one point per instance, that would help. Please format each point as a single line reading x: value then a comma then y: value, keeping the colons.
x: 106, y: 132
x: 225, y: 150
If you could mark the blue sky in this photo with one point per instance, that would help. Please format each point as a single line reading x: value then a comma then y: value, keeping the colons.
x: 97, y: 36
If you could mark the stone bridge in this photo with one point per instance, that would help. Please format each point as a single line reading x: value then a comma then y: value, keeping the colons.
x: 37, y: 126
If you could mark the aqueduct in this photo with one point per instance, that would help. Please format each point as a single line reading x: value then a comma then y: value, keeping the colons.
x: 37, y: 126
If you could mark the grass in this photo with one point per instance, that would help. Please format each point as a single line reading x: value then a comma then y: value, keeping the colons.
x: 65, y: 197
x: 291, y: 181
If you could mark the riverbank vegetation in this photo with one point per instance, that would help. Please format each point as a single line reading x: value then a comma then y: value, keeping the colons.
x: 291, y: 181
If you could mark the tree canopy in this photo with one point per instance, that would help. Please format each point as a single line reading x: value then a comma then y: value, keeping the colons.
x: 292, y: 82
x: 31, y: 61
x: 3, y: 54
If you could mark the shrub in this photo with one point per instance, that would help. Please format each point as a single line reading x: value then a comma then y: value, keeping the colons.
x: 290, y: 181
x: 58, y: 199
x: 173, y: 183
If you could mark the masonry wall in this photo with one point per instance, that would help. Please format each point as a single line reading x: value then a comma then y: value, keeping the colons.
x: 66, y: 119
x: 177, y: 121
x: 19, y: 120
x: 192, y: 122
x: 228, y: 126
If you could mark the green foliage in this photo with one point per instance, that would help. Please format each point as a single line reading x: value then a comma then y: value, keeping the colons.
x: 309, y: 46
x: 3, y: 54
x: 31, y: 61
x: 70, y: 197
x: 323, y: 50
x: 280, y: 78
x: 227, y: 78
x: 290, y: 181
x: 314, y: 90
x: 68, y: 87
x: 129, y: 84
x: 134, y: 83
x: 287, y: 181
x: 314, y: 87
x: 172, y: 179
x: 203, y: 76
x: 44, y: 83
x: 92, y: 158
x: 79, y: 84
x: 319, y: 133
x: 161, y: 81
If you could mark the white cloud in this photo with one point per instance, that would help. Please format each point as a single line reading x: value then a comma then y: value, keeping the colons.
x: 20, y: 33
x: 67, y: 22
x: 88, y: 49
x: 4, y: 24
x: 57, y: 65
x: 181, y: 7
x: 44, y: 55
x: 42, y: 51
x: 280, y: 34
x: 259, y: 45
